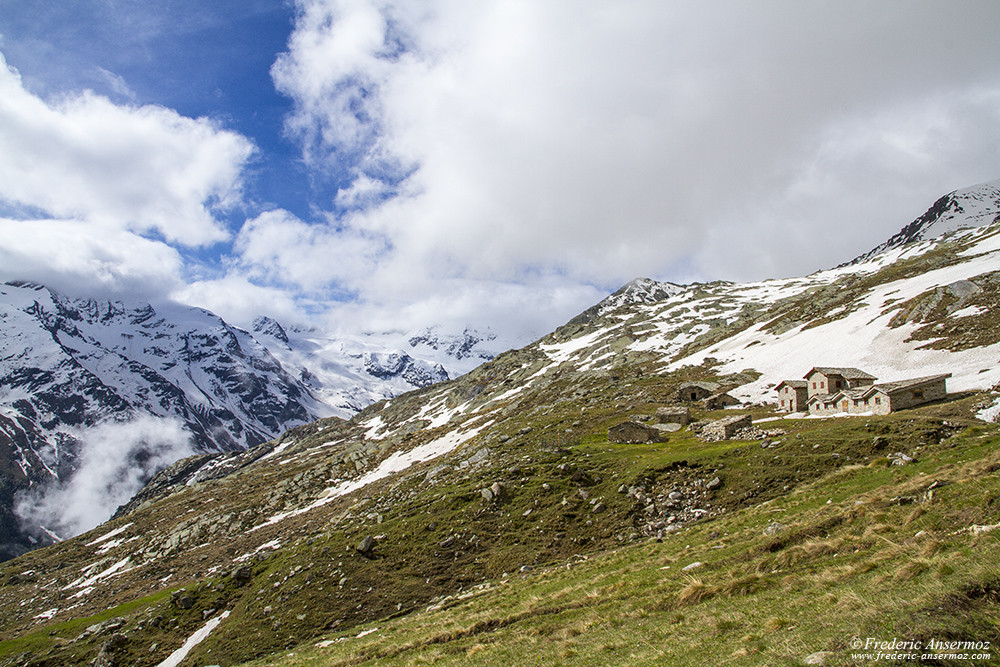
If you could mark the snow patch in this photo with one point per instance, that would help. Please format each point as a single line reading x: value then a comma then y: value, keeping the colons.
x: 177, y: 656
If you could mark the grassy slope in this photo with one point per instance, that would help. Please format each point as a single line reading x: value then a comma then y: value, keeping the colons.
x: 597, y: 591
x: 866, y: 550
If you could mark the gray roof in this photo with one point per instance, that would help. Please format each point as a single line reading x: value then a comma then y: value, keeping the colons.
x: 708, y: 386
x: 801, y: 384
x: 889, y: 387
x: 849, y: 373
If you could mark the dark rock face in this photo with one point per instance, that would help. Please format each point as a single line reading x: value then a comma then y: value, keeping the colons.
x: 395, y: 364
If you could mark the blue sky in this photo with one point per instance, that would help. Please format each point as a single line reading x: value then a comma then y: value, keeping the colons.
x: 372, y: 164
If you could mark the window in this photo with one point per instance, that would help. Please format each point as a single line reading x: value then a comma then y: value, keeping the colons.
x: 821, y: 385
x: 839, y: 383
x: 918, y: 394
x: 814, y: 385
x: 878, y: 401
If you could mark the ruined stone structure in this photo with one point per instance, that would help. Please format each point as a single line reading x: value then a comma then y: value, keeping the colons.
x: 726, y: 428
x: 674, y: 415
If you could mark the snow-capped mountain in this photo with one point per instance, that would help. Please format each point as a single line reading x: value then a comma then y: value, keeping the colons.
x: 350, y: 372
x: 72, y: 368
x: 971, y: 207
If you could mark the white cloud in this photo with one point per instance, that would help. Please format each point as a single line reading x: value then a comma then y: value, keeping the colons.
x: 80, y: 258
x: 237, y: 300
x: 143, y: 169
x: 279, y: 248
x: 115, y: 462
x: 597, y: 142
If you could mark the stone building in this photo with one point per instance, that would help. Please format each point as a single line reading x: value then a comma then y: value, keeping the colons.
x: 792, y: 395
x: 680, y: 414
x: 696, y: 391
x: 632, y: 433
x: 720, y: 401
x: 828, y: 391
x: 881, y: 399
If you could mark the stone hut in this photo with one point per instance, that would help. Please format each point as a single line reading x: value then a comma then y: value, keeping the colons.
x: 680, y: 414
x: 632, y: 433
x: 696, y: 391
x: 726, y: 428
x: 792, y: 395
x: 720, y: 401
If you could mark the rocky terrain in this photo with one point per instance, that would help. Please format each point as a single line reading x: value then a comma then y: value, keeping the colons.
x: 490, y: 519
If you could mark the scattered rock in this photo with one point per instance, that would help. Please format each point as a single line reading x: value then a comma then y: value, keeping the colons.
x: 599, y: 508
x: 447, y: 542
x: 242, y: 574
x: 487, y: 495
x: 714, y: 483
x: 366, y: 546
x: 900, y: 459
x: 693, y: 566
x: 818, y: 658
x: 774, y: 528
x: 183, y: 601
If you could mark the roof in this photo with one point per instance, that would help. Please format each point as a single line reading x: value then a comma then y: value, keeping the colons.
x: 890, y: 387
x: 799, y: 384
x: 849, y: 373
x: 708, y: 386
x: 822, y: 398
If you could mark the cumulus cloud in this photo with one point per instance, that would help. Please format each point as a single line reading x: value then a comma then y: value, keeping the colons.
x: 115, y: 461
x: 145, y: 169
x: 239, y: 300
x: 595, y: 142
x: 72, y: 256
x: 279, y: 247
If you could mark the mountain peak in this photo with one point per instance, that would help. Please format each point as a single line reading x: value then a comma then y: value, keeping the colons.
x: 976, y: 206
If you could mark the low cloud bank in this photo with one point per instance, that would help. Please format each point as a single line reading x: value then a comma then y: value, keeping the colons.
x: 115, y: 461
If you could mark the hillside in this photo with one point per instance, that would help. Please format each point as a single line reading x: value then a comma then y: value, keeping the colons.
x: 489, y: 520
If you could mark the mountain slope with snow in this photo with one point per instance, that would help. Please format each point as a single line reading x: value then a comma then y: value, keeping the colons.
x: 70, y: 366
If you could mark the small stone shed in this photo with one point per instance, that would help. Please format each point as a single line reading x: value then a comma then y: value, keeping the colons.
x: 632, y: 433
x: 720, y: 401
x: 680, y: 414
x: 696, y: 391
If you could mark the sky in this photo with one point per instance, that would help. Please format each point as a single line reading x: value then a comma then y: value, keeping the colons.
x: 387, y: 164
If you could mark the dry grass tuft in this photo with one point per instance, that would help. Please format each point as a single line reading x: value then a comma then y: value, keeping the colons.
x: 696, y: 591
